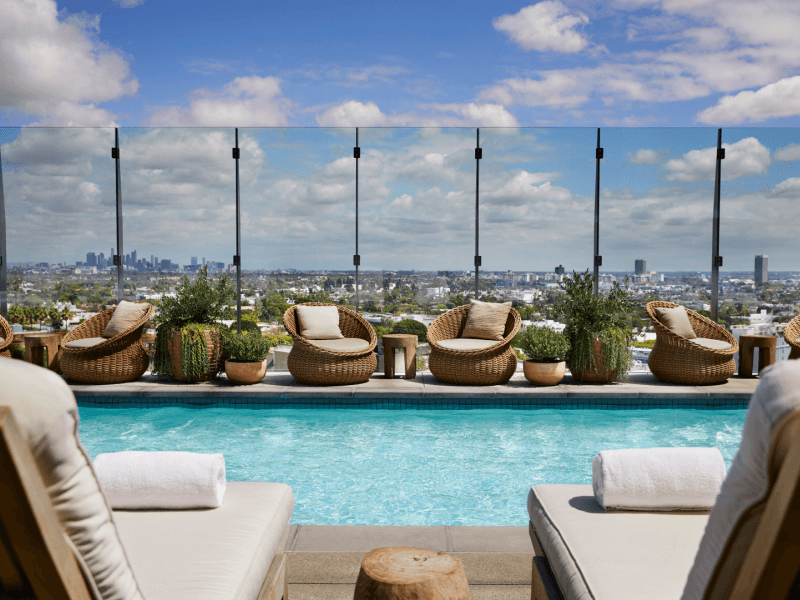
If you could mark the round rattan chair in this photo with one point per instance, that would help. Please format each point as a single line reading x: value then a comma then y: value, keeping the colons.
x: 8, y: 336
x: 792, y: 336
x: 677, y: 360
x: 119, y: 359
x: 312, y: 365
x: 487, y: 366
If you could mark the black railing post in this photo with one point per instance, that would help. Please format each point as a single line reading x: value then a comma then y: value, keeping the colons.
x: 716, y: 259
x: 356, y: 256
x: 118, y: 257
x: 598, y: 260
x: 478, y: 156
x: 3, y: 255
x: 237, y: 260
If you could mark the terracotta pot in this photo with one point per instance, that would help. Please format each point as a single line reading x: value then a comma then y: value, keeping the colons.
x: 174, y: 350
x: 599, y: 374
x: 246, y: 372
x: 543, y: 373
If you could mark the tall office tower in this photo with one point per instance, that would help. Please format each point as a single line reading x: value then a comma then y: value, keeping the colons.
x: 640, y: 266
x: 101, y: 260
x: 112, y: 252
x: 166, y: 264
x: 204, y: 261
x: 133, y: 257
x: 559, y: 270
x: 194, y: 261
x: 91, y: 259
x: 152, y: 261
x: 761, y: 274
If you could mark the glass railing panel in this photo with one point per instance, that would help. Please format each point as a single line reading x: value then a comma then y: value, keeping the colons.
x: 298, y: 217
x: 60, y: 210
x: 759, y: 224
x: 656, y: 204
x: 178, y: 198
x: 536, y: 212
x: 416, y: 221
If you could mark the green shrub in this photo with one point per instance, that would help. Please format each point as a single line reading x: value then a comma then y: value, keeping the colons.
x: 542, y: 344
x: 412, y: 327
x: 250, y: 346
x: 279, y: 340
x: 247, y: 325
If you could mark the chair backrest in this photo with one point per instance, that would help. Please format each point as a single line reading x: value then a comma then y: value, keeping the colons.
x: 450, y: 324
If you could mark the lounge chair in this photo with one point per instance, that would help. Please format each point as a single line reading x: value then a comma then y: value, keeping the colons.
x: 705, y: 360
x: 469, y: 361
x: 6, y: 337
x: 792, y: 336
x: 58, y: 538
x: 745, y: 548
x: 89, y: 357
x: 347, y: 360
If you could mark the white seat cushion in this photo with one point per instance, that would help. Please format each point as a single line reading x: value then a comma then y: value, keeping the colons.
x: 466, y: 344
x: 208, y: 554
x: 86, y: 342
x: 342, y: 345
x: 2, y: 339
x: 125, y: 316
x: 711, y: 344
x: 612, y: 555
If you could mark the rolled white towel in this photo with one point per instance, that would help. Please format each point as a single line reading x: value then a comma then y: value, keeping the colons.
x: 658, y: 478
x: 161, y: 480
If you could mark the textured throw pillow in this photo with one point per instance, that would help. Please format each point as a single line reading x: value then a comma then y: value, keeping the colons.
x: 125, y: 316
x: 486, y: 320
x: 45, y: 410
x: 676, y: 320
x: 318, y: 322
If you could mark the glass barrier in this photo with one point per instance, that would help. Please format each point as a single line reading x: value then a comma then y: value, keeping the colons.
x: 60, y: 203
x: 536, y: 212
x: 759, y: 224
x: 178, y: 198
x: 416, y: 222
x: 298, y: 217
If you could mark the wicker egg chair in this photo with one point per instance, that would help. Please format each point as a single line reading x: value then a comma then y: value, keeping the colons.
x: 792, y: 336
x: 677, y: 360
x: 312, y: 365
x: 487, y: 366
x: 118, y: 359
x: 8, y: 336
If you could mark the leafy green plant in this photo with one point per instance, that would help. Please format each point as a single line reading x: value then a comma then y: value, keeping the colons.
x: 412, y: 327
x: 607, y: 317
x: 247, y: 347
x: 542, y: 344
x: 247, y: 325
x: 279, y: 340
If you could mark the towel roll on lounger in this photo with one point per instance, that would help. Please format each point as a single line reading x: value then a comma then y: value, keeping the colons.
x: 656, y: 479
x: 161, y: 480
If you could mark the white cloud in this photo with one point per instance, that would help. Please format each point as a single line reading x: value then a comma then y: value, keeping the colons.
x: 128, y: 3
x: 359, y: 114
x: 544, y: 26
x: 745, y: 158
x: 787, y: 153
x: 779, y: 99
x: 244, y: 102
x: 789, y: 188
x: 554, y: 88
x: 644, y: 156
x: 352, y: 114
x: 57, y: 70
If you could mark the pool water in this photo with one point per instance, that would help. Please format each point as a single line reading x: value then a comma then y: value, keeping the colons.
x: 407, y: 467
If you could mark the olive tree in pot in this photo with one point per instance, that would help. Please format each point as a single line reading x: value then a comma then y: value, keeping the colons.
x: 597, y: 328
x: 545, y: 349
x: 188, y: 342
x: 246, y: 356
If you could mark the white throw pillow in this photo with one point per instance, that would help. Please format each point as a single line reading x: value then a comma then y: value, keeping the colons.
x: 126, y: 315
x: 676, y: 319
x: 318, y: 322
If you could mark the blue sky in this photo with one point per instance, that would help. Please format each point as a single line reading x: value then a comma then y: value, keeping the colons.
x: 657, y: 77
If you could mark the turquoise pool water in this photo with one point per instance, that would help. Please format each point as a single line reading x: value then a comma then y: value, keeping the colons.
x: 407, y: 467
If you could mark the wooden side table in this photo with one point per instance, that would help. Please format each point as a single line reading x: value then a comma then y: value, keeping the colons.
x: 767, y: 344
x: 403, y: 573
x: 408, y: 343
x: 35, y: 344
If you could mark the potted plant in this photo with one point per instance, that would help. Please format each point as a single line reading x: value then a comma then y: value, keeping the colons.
x: 246, y: 357
x: 598, y: 328
x: 545, y: 349
x: 188, y: 341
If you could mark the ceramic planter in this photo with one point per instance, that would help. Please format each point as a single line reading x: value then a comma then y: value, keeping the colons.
x: 599, y: 374
x: 543, y: 373
x: 246, y: 372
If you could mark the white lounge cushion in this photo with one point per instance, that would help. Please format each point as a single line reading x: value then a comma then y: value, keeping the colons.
x: 676, y: 320
x: 466, y: 344
x: 45, y: 409
x: 342, y: 345
x: 2, y: 339
x: 209, y: 554
x: 486, y: 320
x: 125, y: 316
x: 612, y: 555
x: 711, y: 344
x: 318, y: 322
x: 86, y: 342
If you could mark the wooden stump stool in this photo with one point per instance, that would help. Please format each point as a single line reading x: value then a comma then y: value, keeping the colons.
x: 408, y: 343
x: 403, y: 573
x: 35, y: 344
x: 766, y: 344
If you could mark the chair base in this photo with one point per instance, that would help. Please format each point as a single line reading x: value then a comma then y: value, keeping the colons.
x: 120, y: 367
x: 676, y: 365
x: 448, y: 367
x: 315, y: 368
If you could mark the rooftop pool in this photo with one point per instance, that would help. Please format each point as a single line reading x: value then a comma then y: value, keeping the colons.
x: 351, y: 466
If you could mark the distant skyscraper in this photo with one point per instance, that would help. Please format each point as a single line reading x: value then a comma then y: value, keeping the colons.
x: 152, y: 261
x: 204, y: 261
x: 194, y: 261
x: 761, y: 274
x: 133, y: 257
x: 91, y: 259
x: 641, y: 266
x: 559, y: 270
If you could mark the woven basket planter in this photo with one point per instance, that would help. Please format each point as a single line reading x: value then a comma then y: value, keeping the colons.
x: 677, y: 360
x: 8, y: 336
x: 791, y: 334
x: 598, y: 374
x: 214, y: 355
x: 488, y: 366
